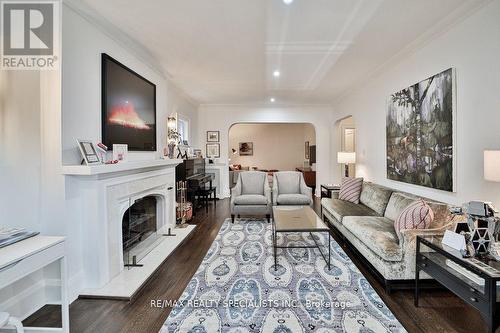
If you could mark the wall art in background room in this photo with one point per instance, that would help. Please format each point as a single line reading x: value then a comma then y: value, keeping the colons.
x: 306, y: 149
x: 213, y: 150
x: 420, y: 133
x: 128, y: 107
x: 246, y: 148
x: 213, y: 136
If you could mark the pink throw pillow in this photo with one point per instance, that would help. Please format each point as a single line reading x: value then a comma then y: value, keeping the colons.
x: 350, y: 190
x: 417, y: 215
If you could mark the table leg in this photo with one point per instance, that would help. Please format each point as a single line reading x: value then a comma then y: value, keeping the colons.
x: 64, y: 297
x: 329, y: 251
x: 417, y: 273
x: 274, y: 247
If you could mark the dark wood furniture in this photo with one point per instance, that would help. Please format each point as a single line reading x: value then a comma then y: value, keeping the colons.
x: 327, y: 190
x: 193, y: 172
x: 207, y: 194
x: 444, y: 264
x: 309, y: 177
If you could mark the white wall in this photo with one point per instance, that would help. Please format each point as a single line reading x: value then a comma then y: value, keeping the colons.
x: 222, y: 117
x: 275, y: 146
x: 83, y: 43
x: 473, y: 48
x: 20, y: 149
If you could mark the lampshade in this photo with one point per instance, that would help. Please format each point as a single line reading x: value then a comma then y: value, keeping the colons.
x: 346, y: 157
x: 492, y: 165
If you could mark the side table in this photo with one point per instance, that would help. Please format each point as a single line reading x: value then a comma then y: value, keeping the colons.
x: 474, y: 280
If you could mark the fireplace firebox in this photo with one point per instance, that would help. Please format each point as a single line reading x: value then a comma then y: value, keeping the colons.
x: 139, y: 230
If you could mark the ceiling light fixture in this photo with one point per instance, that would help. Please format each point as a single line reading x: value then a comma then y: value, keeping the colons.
x: 272, y: 99
x: 276, y: 73
x: 287, y: 2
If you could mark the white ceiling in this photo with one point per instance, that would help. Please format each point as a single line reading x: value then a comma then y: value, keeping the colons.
x: 224, y: 51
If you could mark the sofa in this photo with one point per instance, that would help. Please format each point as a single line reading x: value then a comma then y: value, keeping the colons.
x: 368, y: 229
x: 290, y: 189
x: 251, y: 196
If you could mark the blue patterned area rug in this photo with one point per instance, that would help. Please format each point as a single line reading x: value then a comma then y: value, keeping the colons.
x: 237, y: 289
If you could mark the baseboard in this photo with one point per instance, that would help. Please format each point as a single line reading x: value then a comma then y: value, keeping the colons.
x: 74, y: 286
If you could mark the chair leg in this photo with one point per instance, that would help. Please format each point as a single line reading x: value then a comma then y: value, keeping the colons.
x: 232, y: 218
x: 268, y: 217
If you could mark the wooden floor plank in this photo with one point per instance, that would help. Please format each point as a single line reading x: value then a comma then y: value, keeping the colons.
x: 440, y: 310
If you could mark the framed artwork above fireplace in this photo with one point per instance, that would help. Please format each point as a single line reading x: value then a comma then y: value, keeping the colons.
x: 128, y: 107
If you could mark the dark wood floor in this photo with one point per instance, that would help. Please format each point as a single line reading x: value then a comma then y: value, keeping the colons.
x: 439, y: 311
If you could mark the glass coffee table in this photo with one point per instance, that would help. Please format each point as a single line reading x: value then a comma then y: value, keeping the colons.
x: 298, y: 219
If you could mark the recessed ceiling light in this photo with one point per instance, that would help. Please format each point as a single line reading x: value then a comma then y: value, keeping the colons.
x: 276, y: 73
x: 287, y: 1
x: 272, y: 99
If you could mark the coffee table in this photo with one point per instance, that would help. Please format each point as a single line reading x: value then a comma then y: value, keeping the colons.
x: 298, y: 219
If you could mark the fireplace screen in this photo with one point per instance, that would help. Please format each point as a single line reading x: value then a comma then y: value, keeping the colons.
x: 139, y: 230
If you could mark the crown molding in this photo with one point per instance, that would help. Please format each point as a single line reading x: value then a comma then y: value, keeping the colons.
x: 446, y: 24
x: 266, y: 105
x: 137, y: 49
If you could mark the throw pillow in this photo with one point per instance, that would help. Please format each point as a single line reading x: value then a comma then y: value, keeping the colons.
x: 417, y: 215
x: 350, y: 190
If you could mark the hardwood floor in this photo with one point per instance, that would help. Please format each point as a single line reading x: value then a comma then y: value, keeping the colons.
x: 439, y: 311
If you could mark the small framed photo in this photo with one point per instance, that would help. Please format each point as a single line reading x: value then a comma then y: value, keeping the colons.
x: 213, y: 150
x: 120, y: 152
x: 197, y: 153
x: 213, y: 136
x: 88, y: 152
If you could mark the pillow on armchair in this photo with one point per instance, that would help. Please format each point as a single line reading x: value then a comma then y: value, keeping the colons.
x: 350, y: 190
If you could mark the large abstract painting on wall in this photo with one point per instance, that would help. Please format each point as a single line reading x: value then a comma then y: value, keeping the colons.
x: 420, y: 134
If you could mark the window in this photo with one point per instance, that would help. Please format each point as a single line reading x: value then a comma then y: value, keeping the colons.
x: 183, y: 129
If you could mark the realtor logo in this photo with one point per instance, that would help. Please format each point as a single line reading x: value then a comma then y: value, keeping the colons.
x: 29, y: 34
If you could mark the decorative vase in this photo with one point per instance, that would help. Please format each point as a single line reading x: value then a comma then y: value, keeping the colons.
x: 171, y: 148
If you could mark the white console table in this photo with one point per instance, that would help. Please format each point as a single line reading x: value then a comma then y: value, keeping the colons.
x: 28, y: 256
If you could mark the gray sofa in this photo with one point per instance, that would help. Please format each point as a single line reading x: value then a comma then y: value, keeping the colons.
x: 368, y: 227
x: 251, y: 196
x: 290, y: 189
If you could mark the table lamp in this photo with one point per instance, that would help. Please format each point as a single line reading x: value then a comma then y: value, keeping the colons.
x: 346, y: 158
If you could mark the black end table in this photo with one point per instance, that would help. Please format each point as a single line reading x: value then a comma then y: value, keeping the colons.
x: 474, y: 280
x: 327, y: 190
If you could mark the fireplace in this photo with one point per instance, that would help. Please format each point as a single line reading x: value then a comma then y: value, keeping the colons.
x: 140, y: 232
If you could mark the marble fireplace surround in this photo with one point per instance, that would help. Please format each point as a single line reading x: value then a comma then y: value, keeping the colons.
x: 104, y: 194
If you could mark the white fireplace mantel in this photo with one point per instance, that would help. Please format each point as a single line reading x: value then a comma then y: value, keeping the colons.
x: 101, y: 194
x: 101, y: 169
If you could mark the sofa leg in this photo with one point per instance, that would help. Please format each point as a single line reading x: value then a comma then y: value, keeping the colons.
x: 388, y: 288
x: 232, y: 218
x: 268, y: 217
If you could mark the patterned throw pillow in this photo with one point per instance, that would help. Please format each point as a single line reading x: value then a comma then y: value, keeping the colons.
x: 350, y: 190
x: 417, y: 215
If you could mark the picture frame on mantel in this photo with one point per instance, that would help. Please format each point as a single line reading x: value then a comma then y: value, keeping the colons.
x: 213, y: 136
x: 213, y: 150
x: 88, y: 152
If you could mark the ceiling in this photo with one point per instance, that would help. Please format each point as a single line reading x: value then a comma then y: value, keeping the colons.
x: 225, y: 51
